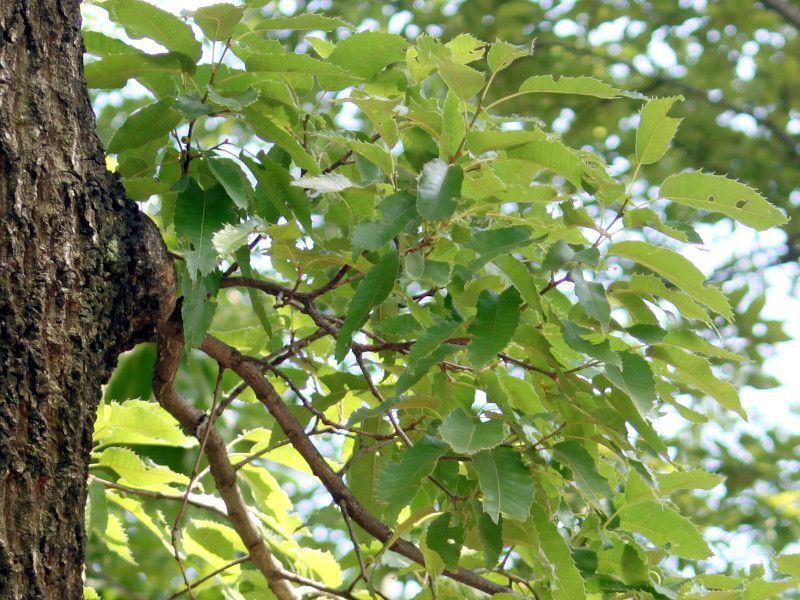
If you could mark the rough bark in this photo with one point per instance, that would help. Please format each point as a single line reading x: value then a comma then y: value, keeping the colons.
x: 82, y: 275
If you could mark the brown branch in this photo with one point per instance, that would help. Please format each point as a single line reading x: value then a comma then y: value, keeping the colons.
x: 784, y: 9
x: 205, y: 578
x: 170, y: 350
x: 345, y: 158
x: 249, y: 371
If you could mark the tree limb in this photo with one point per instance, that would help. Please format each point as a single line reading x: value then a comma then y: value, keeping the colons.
x: 231, y: 358
x: 170, y: 349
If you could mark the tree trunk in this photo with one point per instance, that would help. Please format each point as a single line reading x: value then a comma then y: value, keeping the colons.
x: 82, y: 277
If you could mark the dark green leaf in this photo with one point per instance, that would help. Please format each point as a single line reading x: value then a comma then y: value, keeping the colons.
x: 494, y: 325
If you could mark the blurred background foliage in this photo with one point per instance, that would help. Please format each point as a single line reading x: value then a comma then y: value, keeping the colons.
x: 737, y: 64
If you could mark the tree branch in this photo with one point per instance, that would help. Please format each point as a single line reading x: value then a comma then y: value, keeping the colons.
x: 230, y: 358
x: 170, y: 349
x: 784, y: 9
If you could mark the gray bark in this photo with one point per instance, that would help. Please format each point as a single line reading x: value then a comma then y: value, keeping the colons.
x: 82, y: 275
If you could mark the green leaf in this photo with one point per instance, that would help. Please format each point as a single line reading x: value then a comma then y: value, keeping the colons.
x: 454, y: 127
x: 656, y: 129
x: 552, y: 154
x: 218, y: 21
x: 373, y: 290
x: 113, y: 71
x: 199, y: 214
x: 397, y: 210
x: 496, y: 242
x: 584, y: 471
x: 325, y: 183
x: 438, y: 188
x: 521, y: 278
x: 717, y: 193
x: 122, y: 424
x: 466, y: 435
x: 274, y: 191
x: 400, y: 481
x: 270, y: 131
x: 423, y: 365
x: 145, y: 125
x: 445, y: 539
x: 491, y: 538
x: 302, y: 22
x: 663, y: 525
x: 199, y: 305
x: 232, y: 237
x: 695, y: 371
x: 368, y: 52
x: 143, y: 20
x: 494, y: 325
x: 567, y: 582
x: 502, y: 54
x: 676, y: 269
x: 233, y: 179
x: 463, y: 80
x: 134, y: 471
x: 592, y: 298
x: 789, y: 564
x: 696, y: 479
x: 638, y: 217
x: 430, y: 340
x: 505, y: 482
x: 635, y: 379
x: 585, y: 86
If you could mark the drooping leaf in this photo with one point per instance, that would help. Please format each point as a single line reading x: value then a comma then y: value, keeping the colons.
x: 494, y: 324
x: 143, y: 20
x: 592, y: 298
x: 491, y: 537
x: 717, y: 193
x: 373, y: 289
x: 233, y: 179
x: 467, y: 435
x: 502, y: 54
x: 446, y: 539
x: 218, y: 21
x: 663, y: 525
x: 454, y: 127
x: 397, y: 210
x: 635, y: 378
x: 505, y: 482
x: 400, y: 481
x: 584, y: 471
x: 198, y: 306
x: 676, y: 269
x: 656, y: 129
x: 145, y: 125
x: 567, y: 579
x: 199, y: 214
x: 438, y: 189
x: 584, y: 86
x: 275, y: 192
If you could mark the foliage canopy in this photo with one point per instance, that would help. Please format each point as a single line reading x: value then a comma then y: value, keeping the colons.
x: 459, y: 324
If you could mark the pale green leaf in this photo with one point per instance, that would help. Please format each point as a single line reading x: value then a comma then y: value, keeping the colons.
x: 397, y: 211
x: 585, y: 86
x: 454, y: 127
x: 696, y: 479
x: 663, y: 525
x: 232, y: 237
x: 584, y: 471
x: 467, y: 435
x: 301, y: 22
x: 567, y: 583
x: 325, y: 183
x: 695, y: 371
x: 113, y: 71
x: 656, y: 129
x: 592, y: 298
x: 366, y: 53
x: 143, y: 20
x: 676, y: 269
x: 717, y: 193
x: 134, y: 471
x: 122, y: 424
x: 502, y: 54
x: 218, y: 21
